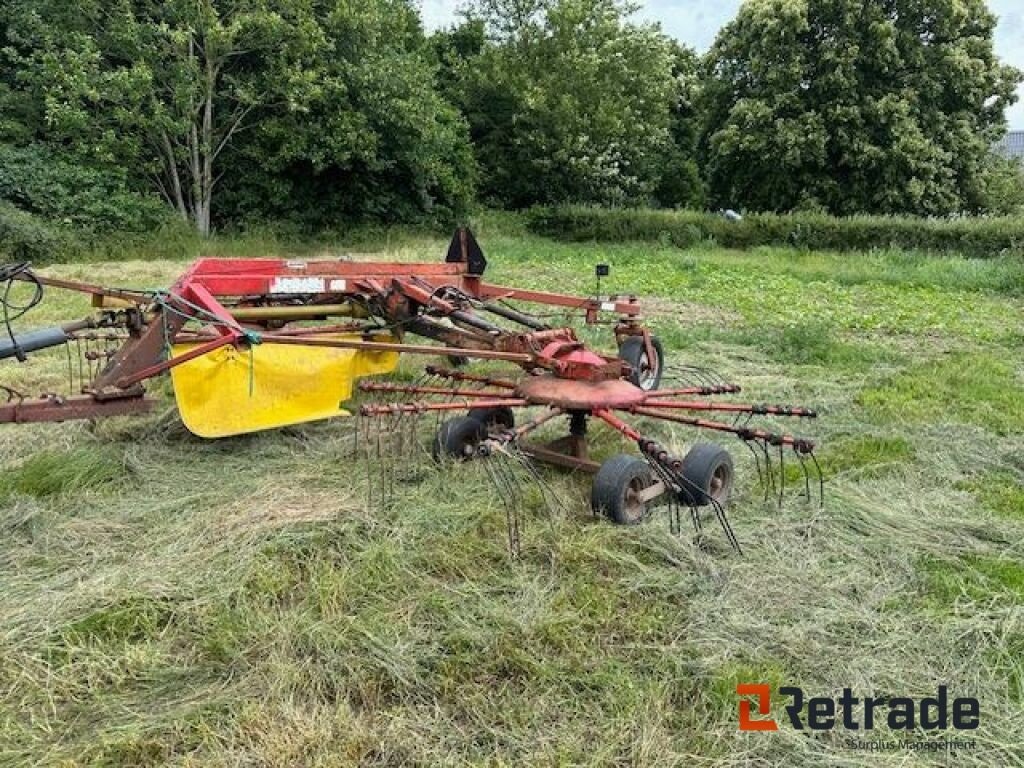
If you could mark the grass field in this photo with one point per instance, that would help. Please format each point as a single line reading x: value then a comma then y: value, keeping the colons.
x: 172, y: 601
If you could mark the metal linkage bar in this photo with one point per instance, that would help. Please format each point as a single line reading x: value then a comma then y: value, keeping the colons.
x: 799, y: 444
x: 454, y: 405
x: 757, y: 410
x: 447, y: 373
x: 617, y: 424
x: 71, y: 408
x: 411, y: 389
x: 380, y: 346
x: 723, y: 389
x: 149, y: 372
x: 531, y: 425
x: 591, y: 307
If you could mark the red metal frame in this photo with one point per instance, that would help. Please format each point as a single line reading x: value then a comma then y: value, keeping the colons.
x: 411, y: 297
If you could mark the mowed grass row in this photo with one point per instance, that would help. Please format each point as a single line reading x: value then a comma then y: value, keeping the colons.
x: 257, y: 601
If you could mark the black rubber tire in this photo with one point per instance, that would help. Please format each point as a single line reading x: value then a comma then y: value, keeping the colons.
x: 458, y: 438
x: 709, y: 469
x: 502, y: 416
x: 609, y: 495
x: 634, y: 351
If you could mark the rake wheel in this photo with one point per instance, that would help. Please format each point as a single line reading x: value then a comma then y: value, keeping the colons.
x: 708, y: 473
x: 618, y: 487
x: 643, y: 372
x: 458, y: 438
x: 502, y: 416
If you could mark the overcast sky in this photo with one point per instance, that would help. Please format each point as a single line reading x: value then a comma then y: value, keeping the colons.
x: 696, y: 22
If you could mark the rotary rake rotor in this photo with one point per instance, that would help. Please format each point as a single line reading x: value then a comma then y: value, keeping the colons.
x: 497, y: 416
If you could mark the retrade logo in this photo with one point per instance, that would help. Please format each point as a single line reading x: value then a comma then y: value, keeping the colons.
x: 762, y: 692
x: 853, y: 713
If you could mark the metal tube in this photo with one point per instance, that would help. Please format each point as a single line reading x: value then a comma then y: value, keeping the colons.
x: 802, y: 445
x: 447, y: 373
x: 304, y: 312
x: 43, y: 338
x: 515, y: 316
x: 474, y: 321
x: 79, y: 407
x: 411, y: 389
x: 415, y: 349
x: 423, y: 407
x: 757, y: 410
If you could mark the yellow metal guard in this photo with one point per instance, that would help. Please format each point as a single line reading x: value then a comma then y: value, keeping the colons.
x: 236, y: 391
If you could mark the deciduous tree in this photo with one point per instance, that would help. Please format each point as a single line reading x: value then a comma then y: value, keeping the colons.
x: 878, y: 106
x: 567, y: 100
x: 192, y: 94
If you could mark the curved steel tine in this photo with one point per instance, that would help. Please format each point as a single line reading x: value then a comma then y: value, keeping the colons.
x: 71, y: 369
x: 702, y: 376
x: 396, y: 445
x: 512, y: 507
x: 769, y: 487
x: 672, y: 488
x: 697, y: 492
x: 821, y: 480
x: 782, y: 475
x: 407, y: 439
x: 358, y: 438
x: 682, y: 375
x: 724, y: 521
x: 390, y: 462
x: 698, y: 529
x: 806, y: 473
x: 492, y: 474
x: 507, y: 486
x: 551, y: 498
x: 757, y: 462
x: 78, y: 351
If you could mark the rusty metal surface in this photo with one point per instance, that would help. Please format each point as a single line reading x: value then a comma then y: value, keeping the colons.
x: 580, y: 395
x: 71, y: 408
x: 559, y: 459
x: 141, y: 351
x: 425, y: 406
x: 447, y: 303
x: 485, y: 354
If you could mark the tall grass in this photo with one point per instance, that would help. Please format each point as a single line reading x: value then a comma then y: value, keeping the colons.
x: 973, y: 237
x: 259, y: 601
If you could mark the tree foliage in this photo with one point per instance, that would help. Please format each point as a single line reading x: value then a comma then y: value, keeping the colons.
x: 566, y: 99
x: 373, y: 138
x: 853, y: 106
x: 679, y: 183
x: 170, y: 88
x: 117, y: 114
x: 43, y: 182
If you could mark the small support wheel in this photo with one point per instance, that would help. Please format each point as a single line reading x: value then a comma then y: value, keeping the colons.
x: 709, y: 473
x: 617, y: 489
x: 501, y: 416
x: 458, y: 438
x: 646, y: 373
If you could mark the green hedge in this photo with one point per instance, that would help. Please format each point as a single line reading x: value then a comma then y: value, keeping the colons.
x: 46, y: 184
x: 25, y: 237
x: 974, y: 237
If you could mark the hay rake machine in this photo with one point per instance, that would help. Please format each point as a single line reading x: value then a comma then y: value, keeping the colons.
x: 255, y: 344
